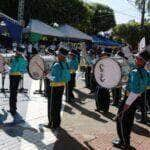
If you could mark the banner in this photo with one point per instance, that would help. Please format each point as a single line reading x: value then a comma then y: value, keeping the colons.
x: 14, y: 29
x: 142, y: 44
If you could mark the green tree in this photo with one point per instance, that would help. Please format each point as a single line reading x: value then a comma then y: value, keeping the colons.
x: 90, y: 18
x: 103, y: 18
x: 143, y: 6
x: 9, y: 7
x: 132, y: 33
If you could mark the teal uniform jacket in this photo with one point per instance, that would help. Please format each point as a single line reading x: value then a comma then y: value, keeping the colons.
x: 60, y: 72
x: 18, y: 65
x: 138, y: 81
x: 73, y: 64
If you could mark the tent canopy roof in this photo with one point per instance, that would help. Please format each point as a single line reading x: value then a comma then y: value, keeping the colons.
x: 73, y: 33
x: 11, y: 26
x: 2, y: 15
x: 39, y: 27
x: 105, y: 41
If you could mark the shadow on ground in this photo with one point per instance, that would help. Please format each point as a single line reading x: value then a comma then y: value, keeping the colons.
x: 67, y: 142
x: 140, y: 130
x: 87, y: 112
x: 24, y: 131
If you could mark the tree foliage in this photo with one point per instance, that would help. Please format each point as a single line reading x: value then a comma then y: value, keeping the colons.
x: 132, y: 33
x: 102, y: 19
x: 87, y: 17
x: 139, y: 3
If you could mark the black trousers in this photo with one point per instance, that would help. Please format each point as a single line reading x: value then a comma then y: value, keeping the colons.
x: 116, y: 94
x: 92, y: 82
x: 148, y: 98
x: 102, y: 99
x: 14, y: 84
x: 70, y: 86
x: 143, y: 106
x: 125, y: 120
x: 46, y: 87
x: 54, y: 105
x: 87, y: 76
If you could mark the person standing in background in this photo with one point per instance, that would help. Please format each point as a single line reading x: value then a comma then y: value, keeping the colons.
x: 73, y: 67
x: 18, y: 68
x: 102, y: 94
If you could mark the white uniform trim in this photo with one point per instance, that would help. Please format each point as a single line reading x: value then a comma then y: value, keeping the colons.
x: 131, y: 98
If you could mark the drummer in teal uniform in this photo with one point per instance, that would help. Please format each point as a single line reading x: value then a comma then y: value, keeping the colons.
x: 73, y: 67
x: 145, y: 104
x: 102, y: 98
x: 137, y: 84
x: 18, y: 68
x: 59, y: 76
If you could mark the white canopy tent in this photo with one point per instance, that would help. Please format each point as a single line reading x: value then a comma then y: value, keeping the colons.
x: 36, y: 26
x: 73, y: 33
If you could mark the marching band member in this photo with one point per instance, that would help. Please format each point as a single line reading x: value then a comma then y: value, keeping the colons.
x: 73, y: 67
x: 116, y: 94
x: 59, y: 76
x: 88, y: 68
x: 49, y: 52
x: 148, y: 92
x: 137, y: 83
x: 144, y: 105
x: 92, y: 78
x: 18, y: 68
x: 102, y: 94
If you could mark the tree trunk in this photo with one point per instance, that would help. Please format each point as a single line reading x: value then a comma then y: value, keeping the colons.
x: 143, y: 13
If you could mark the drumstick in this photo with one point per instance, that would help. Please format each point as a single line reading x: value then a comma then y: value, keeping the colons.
x: 39, y: 66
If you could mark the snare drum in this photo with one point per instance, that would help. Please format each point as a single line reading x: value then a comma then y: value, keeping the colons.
x: 38, y: 65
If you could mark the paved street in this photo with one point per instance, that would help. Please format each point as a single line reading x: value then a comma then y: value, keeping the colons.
x: 82, y: 128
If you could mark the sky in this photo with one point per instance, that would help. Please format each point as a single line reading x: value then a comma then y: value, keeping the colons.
x: 124, y: 11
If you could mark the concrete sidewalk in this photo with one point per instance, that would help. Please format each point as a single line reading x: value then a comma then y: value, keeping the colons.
x: 29, y: 135
x: 95, y: 131
x: 82, y: 128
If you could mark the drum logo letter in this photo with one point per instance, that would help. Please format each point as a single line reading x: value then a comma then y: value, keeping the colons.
x: 101, y: 72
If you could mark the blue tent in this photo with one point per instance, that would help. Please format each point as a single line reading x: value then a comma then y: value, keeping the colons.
x: 13, y: 27
x: 73, y: 34
x: 100, y: 40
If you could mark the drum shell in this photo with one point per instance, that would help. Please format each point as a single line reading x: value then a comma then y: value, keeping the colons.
x: 42, y: 64
x: 125, y: 69
x: 6, y: 60
x: 115, y: 72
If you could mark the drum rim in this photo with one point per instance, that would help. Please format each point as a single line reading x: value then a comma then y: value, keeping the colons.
x: 29, y: 65
x: 120, y: 72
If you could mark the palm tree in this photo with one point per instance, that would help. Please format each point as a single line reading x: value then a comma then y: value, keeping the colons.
x: 143, y: 6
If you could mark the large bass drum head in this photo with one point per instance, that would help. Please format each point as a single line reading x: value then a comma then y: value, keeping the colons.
x: 36, y: 67
x: 2, y: 64
x: 107, y: 73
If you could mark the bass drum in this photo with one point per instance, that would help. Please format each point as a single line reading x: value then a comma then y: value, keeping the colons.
x: 107, y: 73
x: 38, y: 65
x: 125, y: 68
